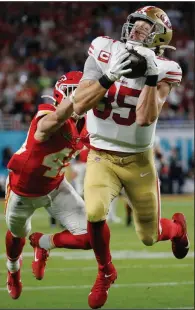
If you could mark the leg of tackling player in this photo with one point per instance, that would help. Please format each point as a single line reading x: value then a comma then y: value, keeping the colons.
x: 67, y: 207
x: 18, y: 218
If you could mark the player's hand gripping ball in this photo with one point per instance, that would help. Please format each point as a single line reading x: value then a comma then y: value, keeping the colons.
x: 138, y: 65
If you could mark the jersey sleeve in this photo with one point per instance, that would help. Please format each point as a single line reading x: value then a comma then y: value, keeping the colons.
x: 97, y: 45
x: 98, y: 57
x: 91, y: 70
x: 170, y: 72
x: 102, y: 49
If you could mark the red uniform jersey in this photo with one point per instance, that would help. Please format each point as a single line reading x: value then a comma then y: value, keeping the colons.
x: 85, y: 135
x: 38, y: 167
x: 83, y: 155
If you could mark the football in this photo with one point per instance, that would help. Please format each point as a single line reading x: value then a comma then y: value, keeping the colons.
x: 138, y: 65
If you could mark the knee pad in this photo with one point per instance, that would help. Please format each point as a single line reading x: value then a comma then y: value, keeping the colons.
x: 18, y: 230
x: 19, y: 233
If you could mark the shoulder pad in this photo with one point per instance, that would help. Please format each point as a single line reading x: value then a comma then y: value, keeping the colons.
x: 44, y: 109
x: 169, y: 71
x: 101, y: 48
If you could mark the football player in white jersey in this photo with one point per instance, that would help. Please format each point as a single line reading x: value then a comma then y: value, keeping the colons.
x: 121, y: 120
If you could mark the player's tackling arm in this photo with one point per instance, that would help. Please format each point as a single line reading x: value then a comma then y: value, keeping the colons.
x: 51, y: 122
x: 95, y: 84
x: 87, y: 95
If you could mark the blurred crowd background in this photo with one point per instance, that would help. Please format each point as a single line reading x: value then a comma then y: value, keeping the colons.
x: 40, y: 41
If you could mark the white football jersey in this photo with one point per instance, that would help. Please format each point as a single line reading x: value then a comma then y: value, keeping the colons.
x: 112, y: 124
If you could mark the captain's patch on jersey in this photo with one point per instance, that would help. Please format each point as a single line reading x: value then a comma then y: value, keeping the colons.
x: 104, y: 56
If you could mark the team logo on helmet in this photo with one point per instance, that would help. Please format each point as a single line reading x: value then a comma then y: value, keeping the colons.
x: 164, y: 19
x: 145, y: 9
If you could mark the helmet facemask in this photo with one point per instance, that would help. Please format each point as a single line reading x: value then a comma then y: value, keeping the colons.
x: 161, y: 32
x: 68, y: 89
x: 64, y: 87
x: 130, y: 24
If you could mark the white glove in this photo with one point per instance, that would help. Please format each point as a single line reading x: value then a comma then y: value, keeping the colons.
x: 149, y: 55
x: 116, y: 66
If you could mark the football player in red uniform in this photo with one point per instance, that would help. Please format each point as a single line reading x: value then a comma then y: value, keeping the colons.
x: 121, y: 122
x: 36, y: 179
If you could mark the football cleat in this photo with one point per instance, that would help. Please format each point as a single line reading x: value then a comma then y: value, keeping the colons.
x: 40, y: 256
x: 14, y: 283
x: 99, y: 292
x: 180, y: 245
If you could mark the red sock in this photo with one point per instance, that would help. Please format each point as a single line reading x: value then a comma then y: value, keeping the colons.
x: 65, y: 239
x: 170, y: 230
x: 14, y: 246
x: 99, y: 234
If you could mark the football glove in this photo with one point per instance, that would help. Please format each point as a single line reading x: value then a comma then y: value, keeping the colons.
x: 117, y: 63
x: 149, y: 55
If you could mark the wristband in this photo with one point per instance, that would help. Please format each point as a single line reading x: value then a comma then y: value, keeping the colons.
x: 151, y: 80
x: 105, y: 82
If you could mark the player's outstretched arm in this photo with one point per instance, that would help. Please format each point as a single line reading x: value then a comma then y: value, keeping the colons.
x: 91, y: 91
x: 51, y: 122
x: 153, y: 94
x: 150, y: 103
x: 87, y: 95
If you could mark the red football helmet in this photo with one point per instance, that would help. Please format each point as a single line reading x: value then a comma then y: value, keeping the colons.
x: 66, y: 84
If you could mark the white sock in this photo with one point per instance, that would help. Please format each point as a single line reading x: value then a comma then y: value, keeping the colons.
x: 45, y: 242
x: 13, y: 266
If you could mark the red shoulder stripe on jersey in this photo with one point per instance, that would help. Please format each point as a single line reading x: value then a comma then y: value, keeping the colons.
x: 162, y: 58
x: 91, y: 49
x: 90, y: 52
x: 173, y: 73
x: 170, y: 80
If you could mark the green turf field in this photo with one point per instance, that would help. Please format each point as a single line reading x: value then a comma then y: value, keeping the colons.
x: 148, y: 277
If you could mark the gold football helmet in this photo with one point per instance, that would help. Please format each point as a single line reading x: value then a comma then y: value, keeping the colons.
x: 161, y: 33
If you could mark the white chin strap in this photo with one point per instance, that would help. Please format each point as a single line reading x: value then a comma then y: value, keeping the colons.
x: 130, y: 44
x: 168, y: 46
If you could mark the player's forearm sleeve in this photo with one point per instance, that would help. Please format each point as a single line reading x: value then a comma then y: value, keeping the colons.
x: 91, y: 70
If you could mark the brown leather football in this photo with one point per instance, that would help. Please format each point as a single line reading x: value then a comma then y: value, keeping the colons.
x: 138, y: 65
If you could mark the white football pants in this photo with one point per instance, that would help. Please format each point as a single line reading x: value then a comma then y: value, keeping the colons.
x: 80, y: 169
x: 63, y: 204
